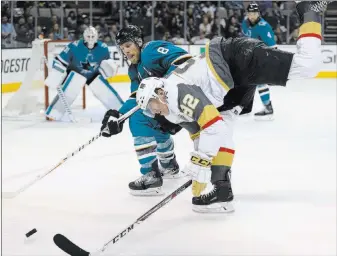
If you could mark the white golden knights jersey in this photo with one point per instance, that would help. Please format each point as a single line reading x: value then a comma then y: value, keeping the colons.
x: 194, y: 91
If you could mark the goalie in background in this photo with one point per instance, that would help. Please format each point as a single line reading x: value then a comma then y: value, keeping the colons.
x: 86, y: 61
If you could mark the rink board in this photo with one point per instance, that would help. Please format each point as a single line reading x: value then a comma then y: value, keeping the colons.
x: 15, y: 62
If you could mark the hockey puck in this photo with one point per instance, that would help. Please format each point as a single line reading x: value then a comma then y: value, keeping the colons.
x: 33, y: 231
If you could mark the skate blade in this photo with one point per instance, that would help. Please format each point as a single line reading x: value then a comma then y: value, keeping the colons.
x: 264, y: 118
x: 224, y: 207
x: 147, y: 192
x: 167, y: 176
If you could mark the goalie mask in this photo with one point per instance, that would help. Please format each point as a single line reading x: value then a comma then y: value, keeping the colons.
x: 147, y: 96
x: 90, y: 37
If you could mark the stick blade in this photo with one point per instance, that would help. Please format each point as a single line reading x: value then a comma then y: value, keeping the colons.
x: 69, y: 247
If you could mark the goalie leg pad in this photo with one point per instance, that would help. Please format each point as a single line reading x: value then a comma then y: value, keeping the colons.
x: 105, y: 93
x: 56, y: 75
x: 71, y: 87
x: 108, y: 68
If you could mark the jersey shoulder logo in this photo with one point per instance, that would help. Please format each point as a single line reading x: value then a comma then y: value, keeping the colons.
x: 104, y: 45
x: 76, y: 43
x: 146, y: 44
x: 262, y: 23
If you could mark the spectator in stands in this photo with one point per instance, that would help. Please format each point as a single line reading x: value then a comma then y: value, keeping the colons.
x: 177, y: 38
x: 280, y: 35
x: 104, y: 26
x: 167, y: 36
x: 23, y: 36
x: 192, y: 30
x: 233, y: 28
x: 219, y: 26
x: 113, y: 31
x: 54, y: 20
x: 31, y: 25
x: 99, y: 32
x: 67, y: 35
x: 107, y: 40
x: 209, y: 8
x: 159, y: 29
x: 56, y: 32
x: 270, y: 18
x: 205, y: 26
x: 8, y: 33
x: 50, y: 36
x: 190, y: 13
x: 173, y: 26
x: 71, y: 20
x: 294, y: 36
x: 85, y: 19
x: 5, y: 9
x: 201, y: 39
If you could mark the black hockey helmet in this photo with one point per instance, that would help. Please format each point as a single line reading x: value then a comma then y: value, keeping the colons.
x: 130, y: 33
x: 253, y: 7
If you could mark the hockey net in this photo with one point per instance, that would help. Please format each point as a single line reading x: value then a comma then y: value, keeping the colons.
x: 33, y: 97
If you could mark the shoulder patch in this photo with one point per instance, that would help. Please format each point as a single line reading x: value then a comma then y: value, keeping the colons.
x: 262, y: 23
x: 104, y: 45
x: 75, y: 43
x: 146, y: 44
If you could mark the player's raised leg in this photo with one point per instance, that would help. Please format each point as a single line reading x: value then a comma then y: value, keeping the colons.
x: 263, y: 65
x: 307, y: 59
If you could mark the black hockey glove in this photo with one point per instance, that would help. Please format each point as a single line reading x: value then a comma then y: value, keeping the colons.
x: 110, y: 124
x: 166, y: 126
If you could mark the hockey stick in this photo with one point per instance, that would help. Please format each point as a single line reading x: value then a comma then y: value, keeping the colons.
x: 65, y: 104
x: 62, y: 97
x: 72, y: 249
x: 9, y: 195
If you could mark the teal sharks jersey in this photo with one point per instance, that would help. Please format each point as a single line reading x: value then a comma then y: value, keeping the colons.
x: 79, y: 58
x: 261, y: 30
x: 156, y: 59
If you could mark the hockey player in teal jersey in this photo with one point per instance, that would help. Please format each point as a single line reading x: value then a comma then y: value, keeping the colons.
x: 255, y: 26
x: 86, y: 61
x: 153, y: 143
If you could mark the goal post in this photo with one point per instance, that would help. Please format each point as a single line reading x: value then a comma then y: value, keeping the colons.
x: 34, y: 96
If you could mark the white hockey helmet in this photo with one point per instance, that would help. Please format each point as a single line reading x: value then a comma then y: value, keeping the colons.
x: 147, y: 91
x: 90, y: 36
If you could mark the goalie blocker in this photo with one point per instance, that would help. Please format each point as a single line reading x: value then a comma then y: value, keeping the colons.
x: 73, y: 84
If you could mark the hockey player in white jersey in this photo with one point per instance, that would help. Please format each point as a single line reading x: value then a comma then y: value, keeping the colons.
x: 83, y: 62
x: 206, y: 93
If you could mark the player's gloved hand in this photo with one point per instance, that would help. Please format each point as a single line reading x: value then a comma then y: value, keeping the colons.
x: 166, y: 126
x: 199, y: 168
x: 110, y: 124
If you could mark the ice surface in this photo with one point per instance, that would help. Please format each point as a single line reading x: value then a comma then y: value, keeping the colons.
x: 284, y: 180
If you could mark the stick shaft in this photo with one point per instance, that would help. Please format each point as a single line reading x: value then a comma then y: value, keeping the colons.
x: 146, y: 215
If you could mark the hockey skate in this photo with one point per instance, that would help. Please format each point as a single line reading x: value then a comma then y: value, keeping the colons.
x: 303, y: 7
x: 219, y: 200
x: 267, y: 114
x: 149, y: 184
x: 171, y: 172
